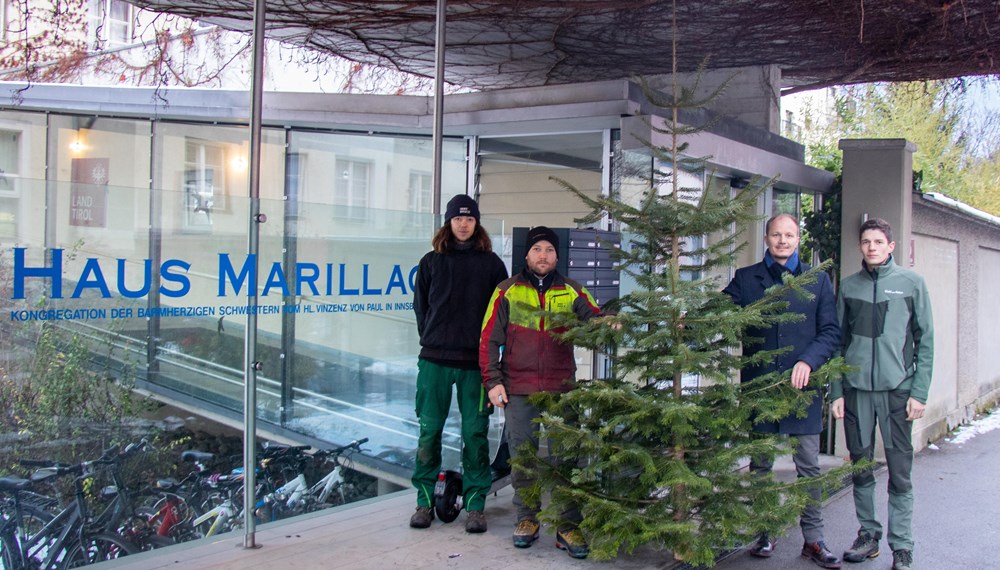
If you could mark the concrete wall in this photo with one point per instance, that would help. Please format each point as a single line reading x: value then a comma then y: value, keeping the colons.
x: 959, y: 257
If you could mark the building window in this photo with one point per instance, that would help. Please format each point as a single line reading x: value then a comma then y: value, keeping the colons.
x: 10, y: 158
x: 420, y: 191
x: 351, y: 188
x: 110, y: 23
x: 203, y: 170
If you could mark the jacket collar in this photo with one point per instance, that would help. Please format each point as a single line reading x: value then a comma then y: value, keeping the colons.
x: 882, y: 270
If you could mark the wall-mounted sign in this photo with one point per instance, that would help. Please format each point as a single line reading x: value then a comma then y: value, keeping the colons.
x: 89, y: 192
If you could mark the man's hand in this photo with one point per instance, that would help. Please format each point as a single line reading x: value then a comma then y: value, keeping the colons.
x: 837, y: 408
x: 498, y: 396
x: 800, y: 375
x: 914, y: 410
x: 610, y: 321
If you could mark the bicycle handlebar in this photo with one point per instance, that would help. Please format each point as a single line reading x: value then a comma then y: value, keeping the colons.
x: 356, y: 444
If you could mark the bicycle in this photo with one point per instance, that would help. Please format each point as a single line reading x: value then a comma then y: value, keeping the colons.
x: 67, y: 539
x: 295, y: 496
x: 174, y: 503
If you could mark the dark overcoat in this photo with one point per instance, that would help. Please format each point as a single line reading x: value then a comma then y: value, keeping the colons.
x: 813, y: 339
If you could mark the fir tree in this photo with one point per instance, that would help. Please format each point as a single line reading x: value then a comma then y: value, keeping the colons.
x: 652, y: 455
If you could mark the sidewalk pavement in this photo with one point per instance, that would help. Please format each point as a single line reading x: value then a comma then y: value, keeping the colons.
x: 956, y: 514
x: 956, y: 525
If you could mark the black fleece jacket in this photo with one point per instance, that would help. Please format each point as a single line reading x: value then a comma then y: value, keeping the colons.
x: 450, y: 296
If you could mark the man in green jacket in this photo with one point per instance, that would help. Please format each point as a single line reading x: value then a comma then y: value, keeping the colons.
x: 887, y: 334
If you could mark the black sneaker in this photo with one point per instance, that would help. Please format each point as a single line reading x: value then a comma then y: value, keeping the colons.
x: 820, y: 554
x: 902, y: 559
x: 422, y: 518
x: 475, y: 522
x: 865, y: 546
x: 763, y: 548
x: 573, y: 543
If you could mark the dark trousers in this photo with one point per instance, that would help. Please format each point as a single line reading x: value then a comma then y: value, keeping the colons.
x: 862, y: 410
x: 519, y: 423
x: 806, y: 460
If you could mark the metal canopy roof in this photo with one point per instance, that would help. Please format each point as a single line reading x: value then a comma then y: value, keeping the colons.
x: 512, y: 43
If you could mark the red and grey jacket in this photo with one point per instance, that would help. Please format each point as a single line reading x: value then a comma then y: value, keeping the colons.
x: 532, y: 360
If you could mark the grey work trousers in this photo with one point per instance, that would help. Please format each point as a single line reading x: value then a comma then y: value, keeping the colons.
x: 519, y: 423
x: 862, y: 409
x: 806, y: 460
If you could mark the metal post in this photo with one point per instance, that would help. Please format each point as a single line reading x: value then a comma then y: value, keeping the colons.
x: 436, y: 134
x: 250, y: 364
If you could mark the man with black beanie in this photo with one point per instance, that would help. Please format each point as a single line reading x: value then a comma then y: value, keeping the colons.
x: 453, y: 286
x: 532, y: 361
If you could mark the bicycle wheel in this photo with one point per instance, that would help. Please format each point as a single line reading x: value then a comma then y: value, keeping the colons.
x: 33, y: 519
x: 98, y: 548
x: 9, y: 548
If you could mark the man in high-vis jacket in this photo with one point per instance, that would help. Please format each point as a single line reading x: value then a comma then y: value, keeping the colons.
x: 519, y: 356
x: 888, y: 335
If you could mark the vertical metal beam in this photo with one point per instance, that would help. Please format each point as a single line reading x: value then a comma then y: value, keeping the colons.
x: 437, y: 133
x: 155, y: 254
x: 250, y: 363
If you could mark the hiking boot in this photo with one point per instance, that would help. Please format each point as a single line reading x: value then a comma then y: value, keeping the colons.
x: 573, y: 543
x: 763, y: 548
x: 525, y: 533
x: 865, y: 546
x: 820, y: 554
x: 902, y: 559
x: 422, y: 518
x: 475, y: 522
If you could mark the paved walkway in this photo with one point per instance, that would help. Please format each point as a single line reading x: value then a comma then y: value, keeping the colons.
x: 956, y: 518
x: 956, y: 525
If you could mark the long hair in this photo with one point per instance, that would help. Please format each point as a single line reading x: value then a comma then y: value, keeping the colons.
x: 444, y: 237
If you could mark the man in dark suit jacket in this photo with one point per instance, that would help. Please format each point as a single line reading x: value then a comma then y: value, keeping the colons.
x: 812, y: 342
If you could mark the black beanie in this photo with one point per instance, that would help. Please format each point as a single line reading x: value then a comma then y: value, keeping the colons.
x: 540, y: 233
x: 461, y: 205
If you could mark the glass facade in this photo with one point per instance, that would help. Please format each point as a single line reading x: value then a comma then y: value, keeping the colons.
x: 139, y: 240
x: 134, y: 233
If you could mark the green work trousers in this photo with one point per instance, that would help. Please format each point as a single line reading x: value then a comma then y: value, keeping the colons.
x: 862, y: 410
x: 434, y: 392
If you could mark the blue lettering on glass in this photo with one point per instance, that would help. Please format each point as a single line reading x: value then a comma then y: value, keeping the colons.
x: 369, y: 290
x: 232, y: 280
x: 302, y: 277
x: 276, y: 278
x: 53, y: 274
x: 413, y: 277
x: 147, y: 269
x: 396, y: 280
x: 343, y: 287
x: 180, y: 279
x: 226, y: 272
x: 92, y: 277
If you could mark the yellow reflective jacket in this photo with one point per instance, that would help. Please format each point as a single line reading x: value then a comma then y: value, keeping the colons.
x: 516, y: 347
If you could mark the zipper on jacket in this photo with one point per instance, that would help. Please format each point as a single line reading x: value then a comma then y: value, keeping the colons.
x: 540, y: 351
x: 871, y: 377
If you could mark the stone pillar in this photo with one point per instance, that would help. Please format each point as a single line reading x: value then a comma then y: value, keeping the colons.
x: 878, y: 183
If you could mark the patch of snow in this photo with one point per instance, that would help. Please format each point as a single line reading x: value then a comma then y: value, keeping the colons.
x: 982, y: 425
